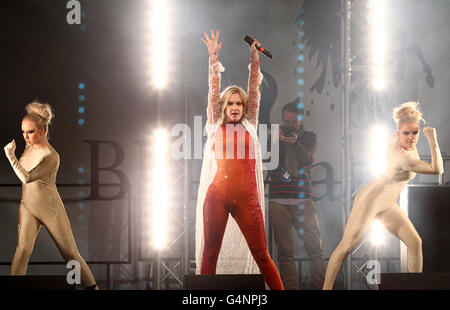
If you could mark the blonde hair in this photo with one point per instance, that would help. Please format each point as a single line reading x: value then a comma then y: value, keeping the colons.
x: 40, y: 114
x: 225, y: 96
x: 408, y: 112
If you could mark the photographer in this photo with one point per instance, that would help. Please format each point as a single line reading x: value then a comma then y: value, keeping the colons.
x: 291, y: 199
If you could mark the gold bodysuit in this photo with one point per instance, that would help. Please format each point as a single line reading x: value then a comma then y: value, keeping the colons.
x: 378, y: 200
x: 42, y: 205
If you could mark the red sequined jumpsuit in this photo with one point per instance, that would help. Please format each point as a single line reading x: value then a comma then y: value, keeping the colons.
x: 234, y: 190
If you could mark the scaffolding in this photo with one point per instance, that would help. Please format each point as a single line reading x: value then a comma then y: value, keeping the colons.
x: 356, y: 93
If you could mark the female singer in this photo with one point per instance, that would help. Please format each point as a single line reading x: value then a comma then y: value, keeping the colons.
x: 231, y: 178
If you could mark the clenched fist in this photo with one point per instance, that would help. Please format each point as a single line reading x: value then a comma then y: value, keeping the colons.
x: 10, y: 148
x: 430, y: 133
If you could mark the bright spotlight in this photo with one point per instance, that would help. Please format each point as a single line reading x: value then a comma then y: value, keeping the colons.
x: 159, y: 24
x: 376, y: 18
x: 379, y: 83
x: 378, y: 142
x: 376, y: 234
x: 158, y: 199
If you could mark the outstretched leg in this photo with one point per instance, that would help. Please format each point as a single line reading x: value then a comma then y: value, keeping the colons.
x: 27, y: 230
x: 358, y: 223
x: 398, y: 224
x: 250, y: 220
x: 58, y: 226
x: 215, y: 218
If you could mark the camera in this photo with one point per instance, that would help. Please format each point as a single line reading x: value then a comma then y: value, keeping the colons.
x: 288, y: 131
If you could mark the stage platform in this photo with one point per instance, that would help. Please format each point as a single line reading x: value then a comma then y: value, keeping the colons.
x: 35, y: 283
x: 224, y: 282
x: 415, y: 281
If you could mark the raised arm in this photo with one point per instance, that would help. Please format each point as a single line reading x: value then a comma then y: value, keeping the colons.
x: 215, y: 68
x: 41, y: 170
x: 254, y: 81
x: 436, y: 166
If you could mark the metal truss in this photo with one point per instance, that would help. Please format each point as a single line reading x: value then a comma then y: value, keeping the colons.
x: 168, y: 265
x: 356, y: 95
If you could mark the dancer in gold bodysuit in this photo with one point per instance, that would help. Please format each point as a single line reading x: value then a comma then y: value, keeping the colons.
x: 41, y: 203
x: 378, y: 199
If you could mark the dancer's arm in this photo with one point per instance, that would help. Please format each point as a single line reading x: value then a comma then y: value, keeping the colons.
x: 436, y: 166
x: 41, y: 170
x: 254, y: 81
x: 215, y: 68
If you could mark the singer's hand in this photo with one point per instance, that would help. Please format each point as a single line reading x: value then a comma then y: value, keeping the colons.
x: 212, y: 43
x: 253, y: 46
x: 253, y: 51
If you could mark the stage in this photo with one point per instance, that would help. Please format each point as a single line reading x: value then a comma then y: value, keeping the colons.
x: 136, y: 94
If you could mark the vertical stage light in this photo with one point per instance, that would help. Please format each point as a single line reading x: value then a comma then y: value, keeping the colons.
x: 157, y: 195
x: 159, y: 23
x: 377, y: 27
x: 162, y: 42
x: 157, y: 26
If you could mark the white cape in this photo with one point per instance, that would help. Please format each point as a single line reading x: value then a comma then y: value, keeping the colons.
x: 235, y: 256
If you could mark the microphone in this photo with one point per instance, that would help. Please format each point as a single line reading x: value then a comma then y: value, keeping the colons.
x: 250, y: 40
